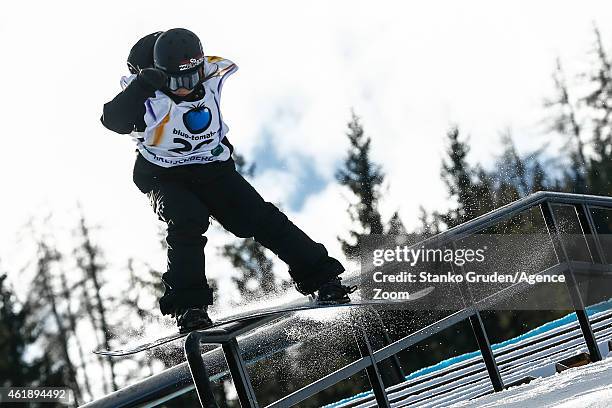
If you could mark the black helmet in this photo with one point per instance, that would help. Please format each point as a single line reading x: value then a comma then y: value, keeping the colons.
x: 178, y: 51
x: 141, y: 54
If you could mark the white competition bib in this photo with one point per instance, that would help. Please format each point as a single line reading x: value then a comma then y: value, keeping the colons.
x: 187, y: 132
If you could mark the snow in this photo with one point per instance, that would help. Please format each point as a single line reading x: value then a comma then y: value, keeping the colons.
x: 530, y: 354
x: 589, y: 386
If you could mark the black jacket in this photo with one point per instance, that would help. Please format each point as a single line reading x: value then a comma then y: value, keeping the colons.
x: 125, y: 113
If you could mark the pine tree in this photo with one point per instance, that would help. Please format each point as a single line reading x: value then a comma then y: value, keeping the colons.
x: 586, y: 124
x: 567, y: 123
x: 470, y: 187
x: 86, y: 303
x: 137, y: 304
x: 22, y: 331
x: 538, y: 182
x: 477, y: 191
x: 72, y: 317
x: 599, y: 104
x: 363, y: 178
x: 517, y: 175
x: 514, y: 169
x: 257, y: 278
x: 429, y: 224
x: 243, y: 167
x: 48, y: 302
x: 396, y: 226
x: 89, y: 261
x: 17, y: 334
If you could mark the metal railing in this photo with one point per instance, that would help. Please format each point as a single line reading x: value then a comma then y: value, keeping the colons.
x: 178, y: 380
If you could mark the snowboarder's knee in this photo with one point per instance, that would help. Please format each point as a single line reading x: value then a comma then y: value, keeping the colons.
x: 261, y: 223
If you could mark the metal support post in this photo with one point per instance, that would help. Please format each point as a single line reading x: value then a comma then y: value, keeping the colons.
x: 570, y: 281
x: 365, y: 348
x: 590, y: 232
x: 198, y: 371
x: 392, y: 368
x: 237, y: 367
x: 480, y: 333
x: 487, y: 353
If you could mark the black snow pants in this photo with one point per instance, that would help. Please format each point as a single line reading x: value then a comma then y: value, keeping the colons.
x: 184, y: 197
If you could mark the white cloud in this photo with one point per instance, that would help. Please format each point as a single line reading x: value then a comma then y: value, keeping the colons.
x: 275, y: 186
x: 324, y: 217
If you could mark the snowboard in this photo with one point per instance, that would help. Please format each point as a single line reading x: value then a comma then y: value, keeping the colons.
x: 307, y: 304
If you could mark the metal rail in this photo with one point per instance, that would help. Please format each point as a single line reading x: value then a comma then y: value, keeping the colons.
x: 176, y: 379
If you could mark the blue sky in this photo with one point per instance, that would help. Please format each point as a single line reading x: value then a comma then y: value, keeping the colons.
x: 309, y: 180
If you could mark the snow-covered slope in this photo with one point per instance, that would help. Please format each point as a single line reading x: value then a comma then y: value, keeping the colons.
x: 531, y: 355
x: 588, y: 386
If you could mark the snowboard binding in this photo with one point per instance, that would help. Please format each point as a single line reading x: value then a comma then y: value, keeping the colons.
x: 193, y: 319
x: 333, y: 292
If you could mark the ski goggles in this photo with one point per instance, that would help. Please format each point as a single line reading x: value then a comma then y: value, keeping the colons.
x: 187, y: 81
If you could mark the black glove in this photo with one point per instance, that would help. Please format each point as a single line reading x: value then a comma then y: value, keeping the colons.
x: 153, y: 78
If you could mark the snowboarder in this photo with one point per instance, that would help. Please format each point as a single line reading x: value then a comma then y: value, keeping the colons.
x: 171, y: 105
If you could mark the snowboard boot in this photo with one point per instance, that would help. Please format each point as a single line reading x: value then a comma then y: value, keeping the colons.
x: 193, y: 319
x: 334, y: 292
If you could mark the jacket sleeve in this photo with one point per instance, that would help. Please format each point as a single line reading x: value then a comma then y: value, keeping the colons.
x: 125, y: 113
